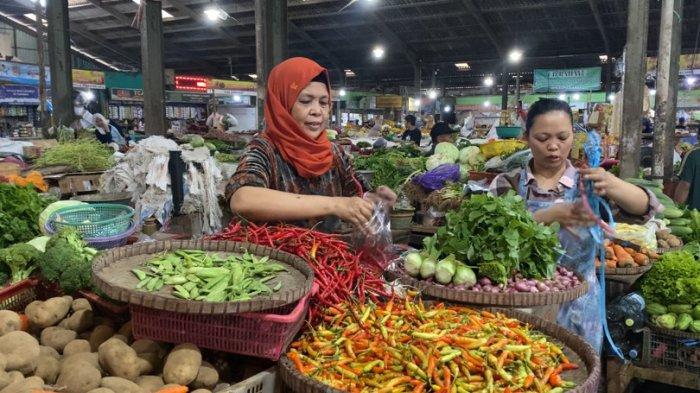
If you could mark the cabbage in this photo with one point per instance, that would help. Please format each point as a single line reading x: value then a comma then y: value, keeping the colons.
x: 464, y: 276
x: 445, y: 270
x: 471, y: 155
x: 412, y: 264
x: 436, y: 160
x: 448, y: 150
x: 464, y: 172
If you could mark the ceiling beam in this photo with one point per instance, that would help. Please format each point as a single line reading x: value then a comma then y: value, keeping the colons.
x: 112, y: 11
x: 476, y: 14
x: 90, y: 36
x: 320, y: 48
x: 599, y: 21
x: 182, y: 7
x: 389, y: 34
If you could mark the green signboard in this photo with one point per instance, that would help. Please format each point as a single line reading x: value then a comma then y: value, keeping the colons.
x: 570, y: 79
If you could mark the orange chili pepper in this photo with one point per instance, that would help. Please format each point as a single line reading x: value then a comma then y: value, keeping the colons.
x: 528, y: 381
x: 555, y: 380
x: 448, y: 378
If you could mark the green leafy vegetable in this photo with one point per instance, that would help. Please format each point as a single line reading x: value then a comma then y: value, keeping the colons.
x: 85, y: 154
x: 68, y: 261
x: 21, y: 259
x: 391, y: 167
x: 499, y: 236
x: 19, y: 213
x: 673, y: 280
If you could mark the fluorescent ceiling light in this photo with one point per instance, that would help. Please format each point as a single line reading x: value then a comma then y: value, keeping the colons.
x: 215, y: 14
x: 342, y: 92
x: 562, y: 97
x: 463, y: 66
x: 33, y: 18
x: 515, y: 56
x: 447, y: 109
x: 432, y: 94
x: 576, y: 96
x: 253, y: 76
x: 488, y: 81
x: 611, y: 97
x: 487, y: 103
x: 165, y: 14
x: 236, y: 98
x: 349, y: 73
x: 378, y: 52
x: 690, y: 80
x: 603, y: 58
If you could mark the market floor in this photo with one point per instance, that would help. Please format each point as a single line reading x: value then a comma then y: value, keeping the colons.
x: 654, y: 387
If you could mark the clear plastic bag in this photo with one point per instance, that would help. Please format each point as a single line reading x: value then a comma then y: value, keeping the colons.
x: 374, y: 240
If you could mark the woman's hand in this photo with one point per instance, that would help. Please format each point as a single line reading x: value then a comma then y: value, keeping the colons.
x: 603, y: 182
x: 354, y: 210
x: 387, y: 194
x: 570, y: 215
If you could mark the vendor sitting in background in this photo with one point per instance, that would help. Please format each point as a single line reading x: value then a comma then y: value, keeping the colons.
x: 442, y: 131
x: 107, y: 133
x: 412, y: 132
x: 291, y: 172
x: 550, y: 187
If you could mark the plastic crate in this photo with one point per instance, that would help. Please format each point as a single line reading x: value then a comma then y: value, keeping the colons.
x: 17, y: 296
x: 265, y: 334
x: 670, y: 349
x: 262, y: 382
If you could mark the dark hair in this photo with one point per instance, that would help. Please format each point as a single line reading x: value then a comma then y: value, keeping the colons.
x: 410, y: 119
x: 322, y: 77
x: 436, y: 117
x: 544, y: 106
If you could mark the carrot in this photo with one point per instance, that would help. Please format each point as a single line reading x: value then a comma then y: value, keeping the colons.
x: 621, y: 254
x: 23, y: 322
x: 630, y: 250
x: 528, y: 381
x: 609, y: 252
x: 610, y: 264
x: 173, y: 389
x: 641, y: 259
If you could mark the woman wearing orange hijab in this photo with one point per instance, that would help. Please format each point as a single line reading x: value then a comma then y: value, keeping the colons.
x: 291, y: 172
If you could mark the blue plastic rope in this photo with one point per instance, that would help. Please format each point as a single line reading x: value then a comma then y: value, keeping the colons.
x: 593, y: 150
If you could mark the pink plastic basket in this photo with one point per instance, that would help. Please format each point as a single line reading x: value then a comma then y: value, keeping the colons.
x: 265, y: 335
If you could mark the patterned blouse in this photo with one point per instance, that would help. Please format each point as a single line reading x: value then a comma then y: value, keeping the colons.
x: 262, y: 166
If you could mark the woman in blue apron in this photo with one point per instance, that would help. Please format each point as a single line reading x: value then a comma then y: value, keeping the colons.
x: 550, y: 186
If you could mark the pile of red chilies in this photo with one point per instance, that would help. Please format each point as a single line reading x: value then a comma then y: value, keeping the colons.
x: 337, y: 269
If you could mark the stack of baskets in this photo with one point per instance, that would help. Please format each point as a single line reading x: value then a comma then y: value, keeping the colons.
x: 102, y: 225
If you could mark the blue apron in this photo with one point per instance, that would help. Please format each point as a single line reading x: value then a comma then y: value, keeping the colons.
x: 580, y: 316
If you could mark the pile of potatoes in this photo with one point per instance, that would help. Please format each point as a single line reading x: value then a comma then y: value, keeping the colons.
x: 59, y: 345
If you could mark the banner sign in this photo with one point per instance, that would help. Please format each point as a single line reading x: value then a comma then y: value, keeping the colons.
x: 187, y: 98
x: 28, y: 74
x: 570, y: 79
x: 389, y: 102
x: 126, y: 94
x: 89, y: 79
x: 226, y: 84
x: 19, y: 94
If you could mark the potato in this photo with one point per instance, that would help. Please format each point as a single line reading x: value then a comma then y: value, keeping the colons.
x: 48, y: 368
x: 101, y: 334
x: 127, y: 331
x: 150, y: 383
x: 150, y: 352
x: 57, y: 337
x: 121, y: 338
x: 5, y: 379
x: 49, y: 312
x: 80, y: 321
x: 120, y: 385
x: 101, y: 390
x: 28, y: 385
x: 90, y: 359
x: 207, y: 377
x: 20, y: 349
x: 119, y: 359
x: 79, y: 377
x: 48, y: 351
x: 76, y: 346
x: 3, y: 362
x: 9, y: 322
x: 182, y: 365
x: 80, y: 304
x: 15, y: 376
x: 201, y: 391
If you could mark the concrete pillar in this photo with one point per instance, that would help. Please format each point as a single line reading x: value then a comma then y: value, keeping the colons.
x: 633, y: 86
x: 60, y: 60
x: 152, y: 67
x: 504, y: 93
x: 270, y: 40
x: 673, y: 82
x: 39, y: 12
x: 665, y: 107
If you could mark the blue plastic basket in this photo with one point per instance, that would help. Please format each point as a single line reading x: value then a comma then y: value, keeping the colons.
x: 94, y: 220
x: 105, y: 243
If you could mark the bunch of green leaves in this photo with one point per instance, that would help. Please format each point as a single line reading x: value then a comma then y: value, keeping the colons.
x: 694, y: 226
x: 499, y: 236
x: 673, y: 280
x: 391, y: 167
x: 19, y: 213
x: 67, y: 261
x: 85, y: 154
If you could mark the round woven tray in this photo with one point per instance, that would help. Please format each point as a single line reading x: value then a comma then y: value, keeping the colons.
x: 517, y: 299
x: 575, y: 348
x: 627, y: 271
x: 673, y: 332
x: 111, y: 273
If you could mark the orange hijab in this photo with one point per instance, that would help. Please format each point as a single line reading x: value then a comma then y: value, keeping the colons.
x: 311, y: 158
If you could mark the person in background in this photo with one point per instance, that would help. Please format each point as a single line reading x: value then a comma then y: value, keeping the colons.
x: 549, y: 184
x: 647, y: 126
x: 412, y: 132
x: 688, y: 188
x: 291, y: 166
x: 215, y: 118
x: 107, y: 133
x: 442, y: 131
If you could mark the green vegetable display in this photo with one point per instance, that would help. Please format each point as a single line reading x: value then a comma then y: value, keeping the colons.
x: 19, y: 213
x: 85, y: 154
x: 21, y: 259
x: 67, y: 261
x: 667, y: 321
x: 499, y: 236
x: 683, y: 322
x: 673, y: 280
x: 391, y: 167
x: 226, y: 157
x: 656, y: 309
x: 198, y: 275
